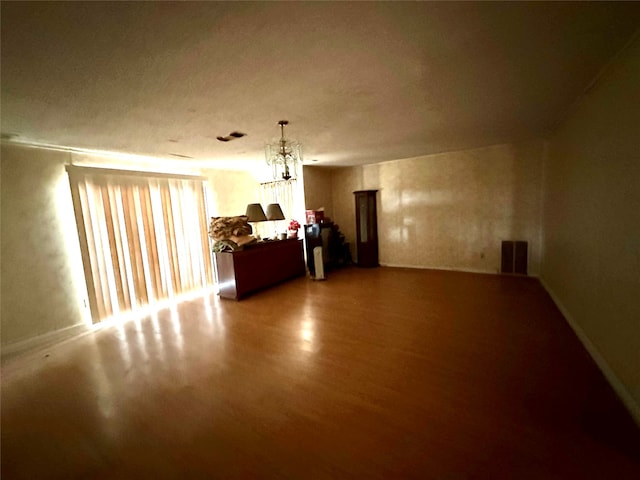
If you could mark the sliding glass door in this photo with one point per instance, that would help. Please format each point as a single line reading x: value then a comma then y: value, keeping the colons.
x: 143, y: 237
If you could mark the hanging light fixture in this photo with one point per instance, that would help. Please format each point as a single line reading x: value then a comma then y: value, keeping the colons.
x: 283, y: 156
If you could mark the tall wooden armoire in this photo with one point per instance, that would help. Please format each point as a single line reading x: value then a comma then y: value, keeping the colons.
x: 366, y: 228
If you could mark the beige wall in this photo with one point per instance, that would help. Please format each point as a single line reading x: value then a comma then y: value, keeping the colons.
x: 317, y: 189
x: 592, y: 222
x: 230, y: 192
x: 450, y: 210
x: 42, y: 281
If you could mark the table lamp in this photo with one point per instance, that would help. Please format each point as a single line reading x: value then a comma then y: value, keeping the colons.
x: 255, y: 214
x: 274, y: 212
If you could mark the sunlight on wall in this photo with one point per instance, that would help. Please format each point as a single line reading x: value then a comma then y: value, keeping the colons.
x: 40, y: 248
x: 123, y: 161
x: 66, y: 219
x: 401, y: 234
x: 450, y: 210
x: 415, y: 199
x: 229, y: 192
x: 42, y: 277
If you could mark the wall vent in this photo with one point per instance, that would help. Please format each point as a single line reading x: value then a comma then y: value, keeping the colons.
x: 514, y: 257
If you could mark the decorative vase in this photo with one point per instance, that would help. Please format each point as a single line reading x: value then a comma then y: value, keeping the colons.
x: 293, y: 233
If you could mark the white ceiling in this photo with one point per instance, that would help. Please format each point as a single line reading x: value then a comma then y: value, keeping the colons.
x: 359, y: 82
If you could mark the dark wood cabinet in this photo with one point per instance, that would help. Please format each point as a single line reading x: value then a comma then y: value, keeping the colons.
x: 366, y: 228
x: 258, y: 266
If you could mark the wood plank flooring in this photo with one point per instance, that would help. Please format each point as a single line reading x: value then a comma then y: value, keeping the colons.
x: 375, y: 373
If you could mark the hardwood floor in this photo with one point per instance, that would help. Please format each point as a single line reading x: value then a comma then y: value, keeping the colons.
x: 375, y: 373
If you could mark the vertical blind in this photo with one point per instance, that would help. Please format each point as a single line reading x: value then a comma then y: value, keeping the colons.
x: 282, y: 192
x: 143, y: 237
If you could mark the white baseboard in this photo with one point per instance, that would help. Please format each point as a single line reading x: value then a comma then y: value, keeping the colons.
x: 42, y: 341
x: 444, y: 269
x: 621, y: 390
x: 451, y: 269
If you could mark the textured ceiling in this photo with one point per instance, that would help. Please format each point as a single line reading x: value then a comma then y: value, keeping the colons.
x: 359, y: 82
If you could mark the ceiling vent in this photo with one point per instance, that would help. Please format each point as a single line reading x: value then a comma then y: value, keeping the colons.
x: 231, y: 136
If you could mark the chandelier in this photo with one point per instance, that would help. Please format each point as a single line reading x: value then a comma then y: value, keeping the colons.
x: 284, y: 156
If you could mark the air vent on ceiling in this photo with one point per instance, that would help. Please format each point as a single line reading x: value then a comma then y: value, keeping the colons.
x: 231, y: 136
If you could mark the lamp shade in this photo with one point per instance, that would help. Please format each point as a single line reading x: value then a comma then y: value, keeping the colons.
x: 274, y: 212
x: 255, y: 213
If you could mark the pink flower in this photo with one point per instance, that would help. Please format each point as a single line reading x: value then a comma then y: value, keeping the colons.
x: 294, y: 225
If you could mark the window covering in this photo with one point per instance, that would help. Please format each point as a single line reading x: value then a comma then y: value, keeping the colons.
x: 143, y: 237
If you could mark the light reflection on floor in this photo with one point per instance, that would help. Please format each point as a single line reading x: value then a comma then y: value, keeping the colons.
x: 154, y: 336
x: 307, y: 329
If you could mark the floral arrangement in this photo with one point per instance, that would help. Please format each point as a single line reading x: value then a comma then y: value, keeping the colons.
x: 294, y: 225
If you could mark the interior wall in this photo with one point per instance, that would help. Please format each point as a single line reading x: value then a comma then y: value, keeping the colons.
x: 230, y: 192
x: 42, y: 280
x: 450, y: 210
x: 592, y: 222
x: 317, y: 189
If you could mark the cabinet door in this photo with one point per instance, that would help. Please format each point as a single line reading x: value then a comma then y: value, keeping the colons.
x: 366, y: 228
